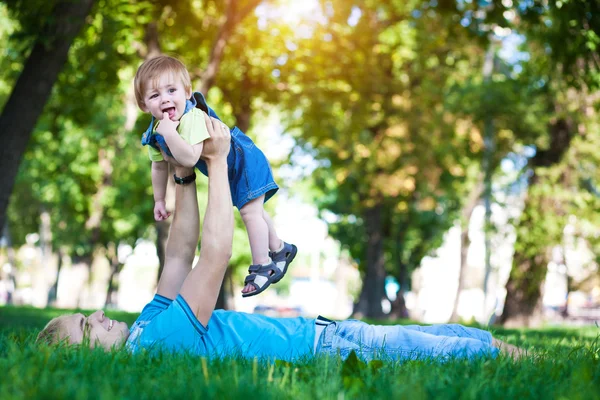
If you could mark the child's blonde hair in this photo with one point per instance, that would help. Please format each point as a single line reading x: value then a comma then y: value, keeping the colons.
x: 51, y: 334
x: 151, y: 70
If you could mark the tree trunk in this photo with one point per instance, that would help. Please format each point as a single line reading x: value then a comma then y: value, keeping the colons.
x: 10, y: 252
x: 233, y: 16
x: 222, y: 302
x: 84, y: 261
x: 488, y: 170
x: 53, y: 292
x: 373, y: 290
x: 33, y: 87
x: 242, y: 116
x: 522, y: 306
x: 113, y: 280
x: 399, y: 309
x: 465, y: 242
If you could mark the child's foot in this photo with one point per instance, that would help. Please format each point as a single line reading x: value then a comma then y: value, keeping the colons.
x: 262, y: 276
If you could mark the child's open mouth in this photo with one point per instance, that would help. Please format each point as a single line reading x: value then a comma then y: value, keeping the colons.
x: 171, y: 111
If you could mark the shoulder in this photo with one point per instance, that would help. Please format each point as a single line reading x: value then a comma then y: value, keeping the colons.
x: 193, y: 115
x: 152, y: 310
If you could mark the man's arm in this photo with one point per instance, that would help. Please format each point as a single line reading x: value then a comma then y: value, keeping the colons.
x: 201, y: 287
x: 183, y: 238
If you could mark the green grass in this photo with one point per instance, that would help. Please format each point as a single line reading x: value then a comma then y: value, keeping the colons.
x: 565, y: 365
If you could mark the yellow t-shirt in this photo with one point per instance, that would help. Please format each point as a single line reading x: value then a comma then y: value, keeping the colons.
x: 191, y: 128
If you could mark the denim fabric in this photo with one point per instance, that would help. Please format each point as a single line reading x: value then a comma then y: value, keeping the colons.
x: 407, y: 342
x: 250, y: 174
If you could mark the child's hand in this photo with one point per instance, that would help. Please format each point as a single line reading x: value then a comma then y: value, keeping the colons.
x: 160, y: 211
x: 166, y: 126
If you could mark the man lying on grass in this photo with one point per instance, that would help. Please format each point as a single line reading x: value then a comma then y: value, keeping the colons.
x: 181, y: 317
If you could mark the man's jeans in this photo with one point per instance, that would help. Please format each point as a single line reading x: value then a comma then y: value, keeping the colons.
x: 404, y: 342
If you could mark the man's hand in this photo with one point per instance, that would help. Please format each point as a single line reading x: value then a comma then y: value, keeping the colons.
x: 166, y: 126
x: 160, y: 211
x: 220, y: 138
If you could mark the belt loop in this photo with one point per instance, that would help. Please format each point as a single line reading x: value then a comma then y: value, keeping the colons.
x: 327, y: 336
x: 325, y: 333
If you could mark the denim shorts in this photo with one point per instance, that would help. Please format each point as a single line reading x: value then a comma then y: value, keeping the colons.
x: 404, y: 342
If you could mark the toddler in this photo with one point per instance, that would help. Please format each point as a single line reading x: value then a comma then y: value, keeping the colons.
x: 177, y: 131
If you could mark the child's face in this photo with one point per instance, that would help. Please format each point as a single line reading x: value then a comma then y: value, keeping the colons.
x: 166, y: 95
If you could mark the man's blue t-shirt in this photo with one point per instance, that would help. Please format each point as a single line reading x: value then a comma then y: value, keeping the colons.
x: 171, y: 325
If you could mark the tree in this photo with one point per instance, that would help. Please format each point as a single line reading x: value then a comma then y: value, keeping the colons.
x: 74, y: 162
x: 569, y: 30
x: 369, y: 90
x: 30, y: 93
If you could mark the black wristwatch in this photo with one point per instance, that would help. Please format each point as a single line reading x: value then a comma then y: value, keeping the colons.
x: 185, y: 180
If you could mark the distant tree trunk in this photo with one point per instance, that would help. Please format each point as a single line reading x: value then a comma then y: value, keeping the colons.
x: 45, y: 235
x: 523, y: 305
x: 243, y: 114
x: 10, y: 252
x: 465, y: 242
x: 33, y: 87
x: 243, y: 108
x: 152, y: 42
x: 233, y: 16
x: 530, y: 262
x: 399, y: 309
x: 84, y: 261
x: 373, y: 290
x: 113, y: 280
x: 222, y: 303
x: 53, y: 292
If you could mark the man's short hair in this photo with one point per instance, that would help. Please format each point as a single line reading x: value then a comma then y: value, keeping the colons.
x: 152, y: 69
x: 51, y: 334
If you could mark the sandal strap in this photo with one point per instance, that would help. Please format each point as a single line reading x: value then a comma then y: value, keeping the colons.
x: 257, y: 280
x: 264, y: 269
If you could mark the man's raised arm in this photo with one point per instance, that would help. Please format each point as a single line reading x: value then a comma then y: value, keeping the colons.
x: 201, y: 287
x: 183, y: 238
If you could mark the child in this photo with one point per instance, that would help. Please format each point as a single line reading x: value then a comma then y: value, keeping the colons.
x: 177, y: 131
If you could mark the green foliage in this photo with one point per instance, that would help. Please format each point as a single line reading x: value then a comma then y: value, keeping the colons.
x: 370, y: 102
x: 80, y: 147
x: 388, y: 97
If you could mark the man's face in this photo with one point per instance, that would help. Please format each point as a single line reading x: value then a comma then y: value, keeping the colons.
x: 101, y: 330
x: 167, y: 94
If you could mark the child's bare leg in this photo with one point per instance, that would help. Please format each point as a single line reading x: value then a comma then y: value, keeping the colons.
x: 258, y: 230
x: 275, y: 243
x: 267, y: 267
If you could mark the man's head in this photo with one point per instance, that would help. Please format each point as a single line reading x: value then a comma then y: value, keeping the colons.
x: 162, y: 84
x: 77, y: 328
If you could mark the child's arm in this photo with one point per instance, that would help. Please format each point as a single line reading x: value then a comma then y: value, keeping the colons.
x: 187, y: 155
x: 160, y: 174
